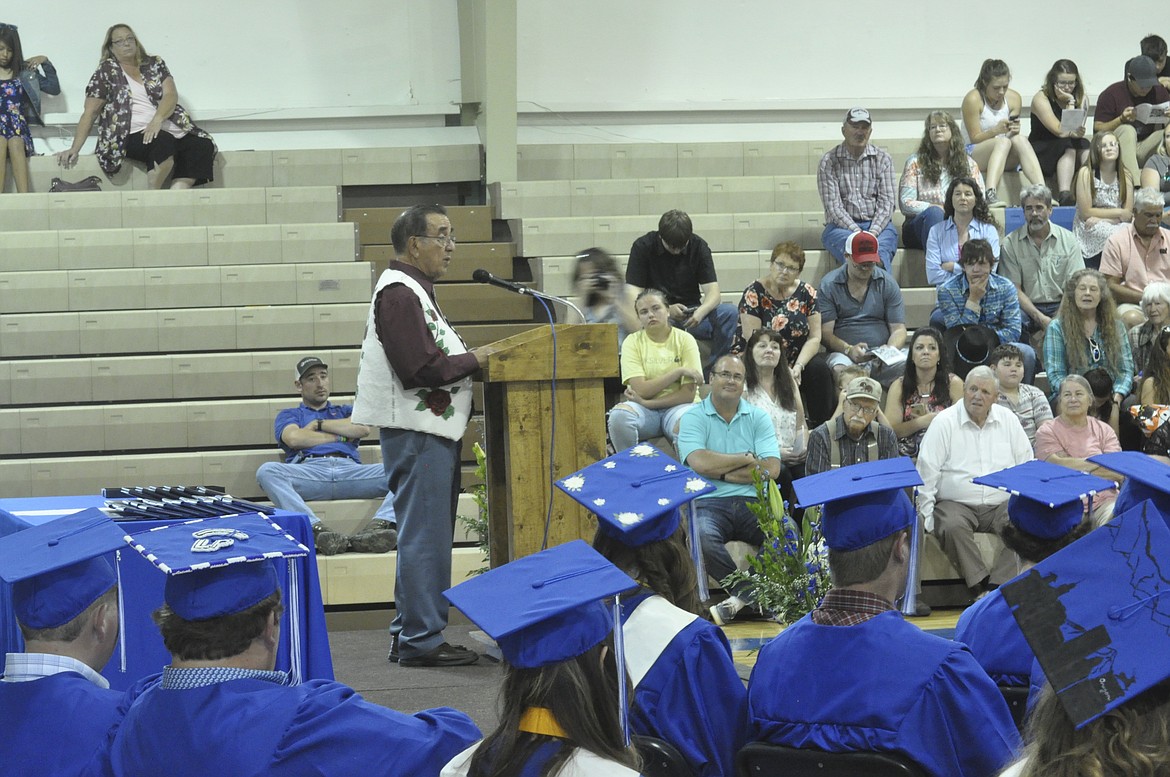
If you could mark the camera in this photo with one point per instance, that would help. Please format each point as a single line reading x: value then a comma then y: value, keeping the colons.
x: 601, y: 281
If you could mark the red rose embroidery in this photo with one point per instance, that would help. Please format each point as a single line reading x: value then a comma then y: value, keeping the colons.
x: 438, y: 401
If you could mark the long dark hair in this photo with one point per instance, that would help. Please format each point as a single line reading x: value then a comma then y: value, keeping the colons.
x: 664, y: 567
x: 942, y: 375
x: 10, y: 37
x: 1158, y: 367
x: 1068, y: 68
x: 928, y: 159
x: 582, y: 695
x: 1076, y: 351
x: 782, y: 376
x: 980, y: 212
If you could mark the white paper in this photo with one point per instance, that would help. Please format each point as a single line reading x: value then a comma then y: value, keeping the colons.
x: 1147, y: 113
x: 1072, y: 119
x: 889, y: 355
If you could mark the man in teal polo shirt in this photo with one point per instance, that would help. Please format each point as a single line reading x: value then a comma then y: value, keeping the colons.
x: 726, y: 439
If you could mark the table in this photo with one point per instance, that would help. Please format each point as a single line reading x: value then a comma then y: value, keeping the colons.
x: 142, y: 593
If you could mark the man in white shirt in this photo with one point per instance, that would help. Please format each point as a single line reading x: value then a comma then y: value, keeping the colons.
x: 975, y: 437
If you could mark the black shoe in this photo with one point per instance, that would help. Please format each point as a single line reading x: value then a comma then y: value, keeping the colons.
x: 328, y: 542
x: 444, y: 655
x: 380, y: 536
x: 1066, y: 198
x: 393, y: 657
x: 921, y: 609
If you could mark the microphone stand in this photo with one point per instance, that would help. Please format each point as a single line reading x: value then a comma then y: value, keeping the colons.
x: 554, y: 298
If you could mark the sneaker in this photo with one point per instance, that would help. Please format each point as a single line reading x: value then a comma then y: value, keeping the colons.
x: 921, y: 609
x: 993, y: 200
x: 380, y: 536
x: 1066, y: 198
x: 724, y: 612
x: 444, y: 655
x: 328, y: 542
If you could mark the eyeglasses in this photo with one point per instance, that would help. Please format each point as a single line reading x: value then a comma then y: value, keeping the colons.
x: 1066, y: 83
x: 868, y: 412
x: 785, y: 268
x: 446, y: 239
x: 122, y: 41
x: 734, y: 377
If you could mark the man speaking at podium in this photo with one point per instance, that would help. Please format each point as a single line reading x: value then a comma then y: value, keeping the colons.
x: 414, y: 383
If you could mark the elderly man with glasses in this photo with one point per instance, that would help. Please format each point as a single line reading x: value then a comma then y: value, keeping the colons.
x: 728, y: 440
x: 853, y: 436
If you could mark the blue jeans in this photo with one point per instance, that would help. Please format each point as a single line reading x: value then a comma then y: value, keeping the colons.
x: 630, y: 422
x: 916, y: 229
x: 722, y: 519
x: 834, y: 237
x: 424, y: 474
x: 289, y: 486
x: 718, y: 327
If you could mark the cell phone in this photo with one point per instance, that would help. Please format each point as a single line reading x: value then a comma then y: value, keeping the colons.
x: 1014, y: 117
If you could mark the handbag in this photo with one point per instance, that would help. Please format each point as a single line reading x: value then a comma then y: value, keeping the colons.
x: 90, y: 184
x: 1150, y: 418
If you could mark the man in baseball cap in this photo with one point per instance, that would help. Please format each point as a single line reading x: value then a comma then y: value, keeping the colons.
x: 1117, y: 112
x: 854, y: 435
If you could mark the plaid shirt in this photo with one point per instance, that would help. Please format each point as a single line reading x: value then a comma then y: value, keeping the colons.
x: 999, y: 308
x: 849, y: 607
x: 855, y: 190
x: 26, y: 667
x: 1056, y: 357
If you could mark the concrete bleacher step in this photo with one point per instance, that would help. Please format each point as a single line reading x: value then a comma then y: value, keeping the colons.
x: 368, y: 578
x: 349, y: 516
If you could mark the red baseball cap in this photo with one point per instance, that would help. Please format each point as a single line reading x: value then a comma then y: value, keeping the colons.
x: 862, y: 247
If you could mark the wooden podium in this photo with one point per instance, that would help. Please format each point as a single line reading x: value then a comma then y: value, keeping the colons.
x: 518, y: 418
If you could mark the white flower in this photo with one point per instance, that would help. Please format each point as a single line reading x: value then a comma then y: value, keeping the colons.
x: 574, y: 483
x: 610, y: 464
x: 644, y: 450
x: 664, y: 501
x: 695, y: 484
x: 670, y: 468
x: 599, y: 501
x: 629, y: 518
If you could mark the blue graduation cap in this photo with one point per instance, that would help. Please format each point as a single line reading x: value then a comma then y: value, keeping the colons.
x: 1097, y: 615
x: 1145, y: 478
x: 58, y: 568
x: 221, y: 566
x: 1046, y: 498
x: 863, y: 503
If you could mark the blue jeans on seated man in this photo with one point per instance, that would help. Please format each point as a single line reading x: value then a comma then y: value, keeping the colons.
x: 320, y: 479
x: 721, y: 520
x: 916, y: 229
x: 718, y: 328
x: 834, y: 237
x: 1030, y: 327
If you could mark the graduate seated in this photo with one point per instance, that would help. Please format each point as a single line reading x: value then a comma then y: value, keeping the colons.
x: 1046, y: 512
x: 220, y: 708
x: 562, y: 711
x: 55, y: 705
x: 686, y: 688
x: 853, y: 675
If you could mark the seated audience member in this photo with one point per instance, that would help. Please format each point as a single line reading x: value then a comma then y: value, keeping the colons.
x: 559, y: 703
x: 782, y: 303
x: 1074, y: 435
x: 1104, y: 198
x: 1039, y: 258
x: 322, y: 462
x: 1154, y: 47
x: 979, y: 297
x: 15, y: 136
x: 991, y: 125
x: 1121, y: 726
x: 856, y: 183
x: 854, y: 436
x: 597, y: 282
x: 1104, y: 406
x: 1027, y: 402
x: 730, y: 440
x: 861, y: 308
x: 1155, y: 390
x: 133, y: 99
x: 927, y: 176
x: 1116, y: 112
x: 969, y: 439
x: 770, y: 387
x: 678, y: 262
x: 927, y: 387
x: 1156, y: 173
x: 1046, y: 512
x: 220, y: 707
x: 1136, y: 255
x: 925, y: 698
x: 967, y: 218
x: 1155, y: 307
x: 685, y: 687
x: 1086, y: 334
x: 1059, y: 151
x: 37, y: 77
x: 660, y: 369
x: 56, y: 705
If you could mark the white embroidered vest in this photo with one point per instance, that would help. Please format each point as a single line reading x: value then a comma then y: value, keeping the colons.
x: 382, y: 400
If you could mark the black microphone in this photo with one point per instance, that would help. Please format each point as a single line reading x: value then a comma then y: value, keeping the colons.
x: 483, y: 276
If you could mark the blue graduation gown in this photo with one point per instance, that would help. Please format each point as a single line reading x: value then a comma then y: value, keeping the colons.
x: 883, y: 685
x: 686, y: 690
x: 53, y: 725
x: 989, y: 630
x: 253, y: 727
